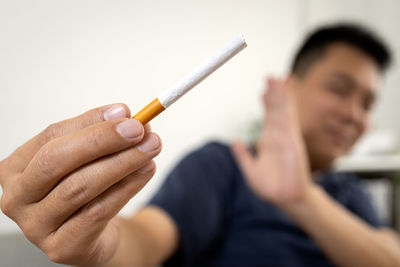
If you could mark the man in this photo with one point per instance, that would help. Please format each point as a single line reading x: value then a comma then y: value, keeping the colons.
x: 276, y: 206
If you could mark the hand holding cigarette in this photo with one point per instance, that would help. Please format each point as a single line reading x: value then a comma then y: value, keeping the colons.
x: 65, y: 186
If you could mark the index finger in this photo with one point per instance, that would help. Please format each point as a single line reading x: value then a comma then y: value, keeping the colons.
x: 20, y: 158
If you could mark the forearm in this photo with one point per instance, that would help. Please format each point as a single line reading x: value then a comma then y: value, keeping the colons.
x: 346, y: 239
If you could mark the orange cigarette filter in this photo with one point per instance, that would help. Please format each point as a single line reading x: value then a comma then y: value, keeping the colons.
x: 149, y: 112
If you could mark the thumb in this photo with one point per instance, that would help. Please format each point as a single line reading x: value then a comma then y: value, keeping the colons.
x: 243, y: 157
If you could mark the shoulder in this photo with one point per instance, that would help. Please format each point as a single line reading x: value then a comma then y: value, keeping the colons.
x: 346, y: 188
x: 204, y: 171
x: 216, y: 155
x: 213, y: 150
x: 336, y: 182
x: 350, y: 184
x: 211, y: 165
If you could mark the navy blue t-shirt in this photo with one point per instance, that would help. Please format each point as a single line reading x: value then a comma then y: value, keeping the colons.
x: 221, y: 222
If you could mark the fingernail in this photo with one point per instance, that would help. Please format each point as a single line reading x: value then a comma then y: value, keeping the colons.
x: 130, y: 128
x: 151, y: 143
x: 146, y: 168
x: 115, y: 112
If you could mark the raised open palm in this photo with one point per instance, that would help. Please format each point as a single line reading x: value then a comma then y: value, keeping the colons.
x: 279, y: 172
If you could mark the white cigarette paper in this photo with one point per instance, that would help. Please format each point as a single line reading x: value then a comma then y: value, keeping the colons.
x: 203, y: 71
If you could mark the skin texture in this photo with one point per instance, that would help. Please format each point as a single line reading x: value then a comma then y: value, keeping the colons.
x: 66, y: 185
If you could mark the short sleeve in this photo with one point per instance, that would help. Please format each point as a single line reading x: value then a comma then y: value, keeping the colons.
x: 195, y: 194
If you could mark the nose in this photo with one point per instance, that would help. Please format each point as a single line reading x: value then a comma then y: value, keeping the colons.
x: 354, y: 112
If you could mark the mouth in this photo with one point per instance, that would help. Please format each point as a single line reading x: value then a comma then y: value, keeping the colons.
x: 339, y: 137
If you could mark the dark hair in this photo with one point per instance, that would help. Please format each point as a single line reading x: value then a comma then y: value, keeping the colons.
x: 352, y: 34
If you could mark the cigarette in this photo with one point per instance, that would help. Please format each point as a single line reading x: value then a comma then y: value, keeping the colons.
x: 189, y: 81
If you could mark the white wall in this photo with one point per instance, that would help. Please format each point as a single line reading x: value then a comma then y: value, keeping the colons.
x: 60, y: 58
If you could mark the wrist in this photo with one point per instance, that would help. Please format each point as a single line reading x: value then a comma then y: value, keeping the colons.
x: 304, y: 205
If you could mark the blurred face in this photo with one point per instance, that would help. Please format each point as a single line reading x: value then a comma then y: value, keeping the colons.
x: 334, y: 100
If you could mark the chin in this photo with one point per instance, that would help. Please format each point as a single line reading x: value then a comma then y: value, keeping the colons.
x: 321, y: 160
x: 321, y: 165
x: 322, y: 154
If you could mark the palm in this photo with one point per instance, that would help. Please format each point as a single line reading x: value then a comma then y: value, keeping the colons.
x: 279, y: 172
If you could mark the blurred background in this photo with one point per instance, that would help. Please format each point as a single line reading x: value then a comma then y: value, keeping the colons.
x: 61, y: 58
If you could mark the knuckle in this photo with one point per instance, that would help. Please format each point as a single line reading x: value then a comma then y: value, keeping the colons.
x: 96, y: 212
x: 46, y: 161
x: 57, y: 256
x: 74, y: 191
x: 8, y: 204
x: 51, y: 132
x: 96, y: 137
x: 118, y: 160
x: 54, y: 250
x: 60, y: 251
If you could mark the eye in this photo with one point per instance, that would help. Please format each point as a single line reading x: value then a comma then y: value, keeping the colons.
x: 338, y: 89
x: 367, y: 103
